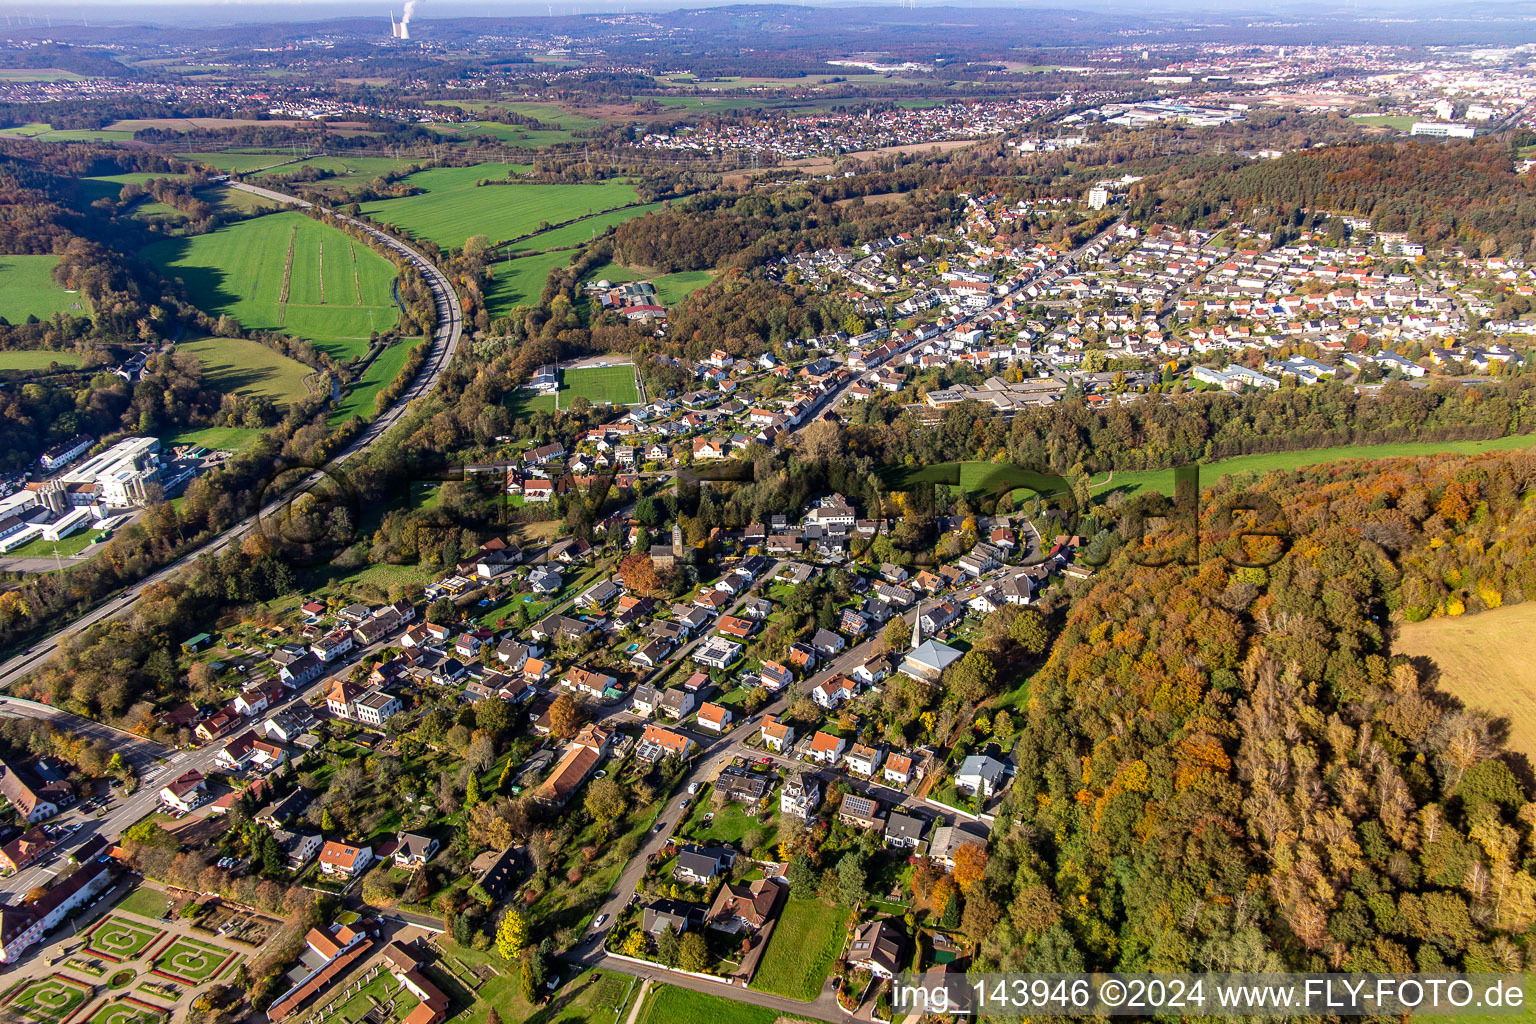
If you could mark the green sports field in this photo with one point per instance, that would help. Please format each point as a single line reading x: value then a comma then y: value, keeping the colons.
x: 286, y: 272
x: 242, y: 367
x: 598, y: 384
x: 453, y: 208
x: 27, y: 289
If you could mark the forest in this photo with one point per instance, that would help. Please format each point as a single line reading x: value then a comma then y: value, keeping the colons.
x: 1228, y: 769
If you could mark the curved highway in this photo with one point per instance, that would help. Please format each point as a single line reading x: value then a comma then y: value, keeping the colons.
x: 445, y: 342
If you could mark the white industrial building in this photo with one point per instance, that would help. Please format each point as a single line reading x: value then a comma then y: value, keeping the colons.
x: 119, y: 477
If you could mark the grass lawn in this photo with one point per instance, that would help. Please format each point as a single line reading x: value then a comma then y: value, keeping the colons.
x: 286, y: 272
x: 145, y: 902
x: 231, y: 439
x: 386, y: 366
x: 192, y: 960
x: 1483, y: 661
x: 242, y: 367
x: 593, y: 997
x: 27, y: 289
x: 35, y: 358
x: 121, y: 938
x: 345, y: 170
x: 48, y: 999
x: 801, y: 950
x: 65, y: 547
x: 126, y: 1010
x: 598, y: 384
x: 520, y: 281
x: 669, y: 1005
x: 520, y: 403
x: 732, y: 823
x: 453, y: 208
x: 380, y: 990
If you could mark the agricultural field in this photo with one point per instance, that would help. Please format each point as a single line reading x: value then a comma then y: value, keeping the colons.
x: 508, y: 134
x: 1483, y: 661
x: 35, y: 359
x: 386, y: 366
x: 286, y: 272
x: 671, y: 289
x: 110, y: 186
x: 582, y: 231
x: 242, y: 367
x: 48, y: 1000
x: 520, y: 281
x: 453, y: 208
x: 38, y: 75
x: 598, y: 384
x: 805, y: 942
x: 27, y: 289
x: 47, y: 133
x: 237, y: 163
x: 347, y: 171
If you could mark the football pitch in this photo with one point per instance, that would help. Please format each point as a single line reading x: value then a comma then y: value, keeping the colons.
x: 613, y: 385
x: 286, y: 272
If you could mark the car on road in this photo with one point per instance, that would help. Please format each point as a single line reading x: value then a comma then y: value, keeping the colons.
x: 602, y: 919
x: 659, y: 826
x: 683, y: 806
x: 766, y: 760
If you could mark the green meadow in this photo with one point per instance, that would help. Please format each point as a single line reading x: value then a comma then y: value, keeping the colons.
x: 243, y: 367
x: 452, y: 207
x: 27, y: 289
x: 286, y: 272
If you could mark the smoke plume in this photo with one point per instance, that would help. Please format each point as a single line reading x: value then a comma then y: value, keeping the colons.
x: 405, y: 19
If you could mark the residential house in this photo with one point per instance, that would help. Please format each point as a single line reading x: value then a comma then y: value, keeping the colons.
x: 412, y: 849
x: 948, y: 838
x: 657, y: 743
x: 645, y: 700
x: 342, y: 859
x: 744, y: 786
x: 777, y: 735
x: 800, y: 796
x: 861, y: 812
x: 589, y: 683
x: 904, y: 831
x: 185, y: 791
x: 377, y: 707
x: 302, y: 671
x: 256, y: 699
x: 898, y: 769
x: 743, y: 908
x: 980, y: 774
x: 34, y: 801
x: 698, y: 865
x: 863, y: 760
x: 677, y: 702
x: 827, y: 643
x: 678, y: 915
x: 826, y: 748
x: 714, y: 717
x: 876, y: 948
x: 250, y: 751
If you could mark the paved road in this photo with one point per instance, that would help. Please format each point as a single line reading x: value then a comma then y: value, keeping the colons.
x: 445, y: 342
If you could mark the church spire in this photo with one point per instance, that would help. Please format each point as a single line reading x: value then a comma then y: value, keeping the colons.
x: 917, y: 627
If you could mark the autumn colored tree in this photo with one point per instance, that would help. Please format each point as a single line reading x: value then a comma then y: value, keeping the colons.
x: 565, y: 717
x: 970, y: 865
